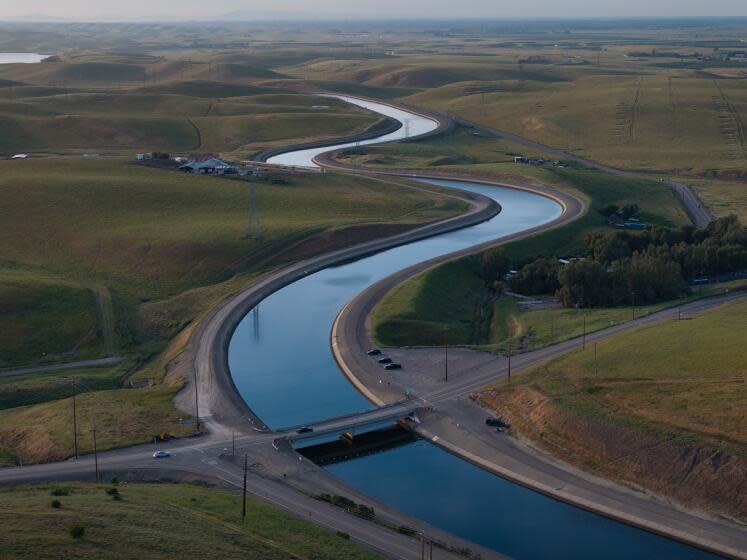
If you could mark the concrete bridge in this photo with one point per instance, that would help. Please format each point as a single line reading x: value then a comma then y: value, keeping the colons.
x: 350, y: 422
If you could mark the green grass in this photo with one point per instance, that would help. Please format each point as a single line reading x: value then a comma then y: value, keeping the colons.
x: 43, y: 432
x: 39, y: 387
x: 157, y: 521
x: 679, y: 379
x: 45, y: 319
x: 659, y: 122
x: 518, y: 328
x: 178, y: 116
x: 424, y: 310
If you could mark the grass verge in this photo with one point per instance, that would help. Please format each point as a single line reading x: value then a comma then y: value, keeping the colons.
x: 156, y: 521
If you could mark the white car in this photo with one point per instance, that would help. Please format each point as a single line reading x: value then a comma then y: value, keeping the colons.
x: 161, y: 454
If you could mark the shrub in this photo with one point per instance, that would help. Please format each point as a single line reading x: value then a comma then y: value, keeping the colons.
x: 343, y: 535
x: 115, y: 480
x: 56, y: 504
x: 60, y: 492
x: 77, y: 531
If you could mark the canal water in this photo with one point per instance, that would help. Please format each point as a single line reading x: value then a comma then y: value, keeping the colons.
x: 280, y: 355
x: 281, y: 362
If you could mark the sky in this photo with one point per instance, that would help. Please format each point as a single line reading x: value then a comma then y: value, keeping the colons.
x: 384, y: 9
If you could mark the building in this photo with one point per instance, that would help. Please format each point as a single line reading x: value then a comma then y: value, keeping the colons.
x: 212, y: 166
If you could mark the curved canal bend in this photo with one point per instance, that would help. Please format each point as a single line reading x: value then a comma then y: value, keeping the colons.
x: 282, y: 364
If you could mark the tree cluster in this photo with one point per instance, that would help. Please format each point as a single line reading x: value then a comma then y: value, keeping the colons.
x: 632, y: 268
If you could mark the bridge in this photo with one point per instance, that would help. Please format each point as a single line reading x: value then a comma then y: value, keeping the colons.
x: 350, y: 422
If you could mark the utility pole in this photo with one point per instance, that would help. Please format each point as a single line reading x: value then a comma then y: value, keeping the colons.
x: 422, y: 546
x: 584, y: 347
x: 632, y: 297
x: 95, y: 453
x: 509, y: 361
x: 446, y: 355
x: 197, y: 405
x: 75, y: 422
x: 243, y: 504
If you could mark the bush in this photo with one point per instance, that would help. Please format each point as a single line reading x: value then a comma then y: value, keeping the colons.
x: 60, y: 492
x: 77, y: 531
x: 537, y: 278
x: 115, y: 480
x: 343, y: 535
x: 56, y: 504
x: 494, y: 265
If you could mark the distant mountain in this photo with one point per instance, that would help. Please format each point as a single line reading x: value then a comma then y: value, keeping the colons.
x: 40, y: 18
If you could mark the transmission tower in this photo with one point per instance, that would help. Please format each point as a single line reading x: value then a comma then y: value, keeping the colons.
x: 255, y: 228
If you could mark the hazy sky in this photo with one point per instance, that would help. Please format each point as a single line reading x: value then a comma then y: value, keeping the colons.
x: 198, y: 9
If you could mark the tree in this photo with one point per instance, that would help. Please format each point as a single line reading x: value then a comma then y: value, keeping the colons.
x: 537, y: 278
x: 494, y: 265
x: 582, y: 284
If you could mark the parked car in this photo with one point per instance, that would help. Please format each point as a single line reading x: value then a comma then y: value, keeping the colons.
x: 374, y: 352
x: 393, y: 365
x: 497, y: 423
x: 385, y: 361
x: 304, y: 430
x: 161, y: 454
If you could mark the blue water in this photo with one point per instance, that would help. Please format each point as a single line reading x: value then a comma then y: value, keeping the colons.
x: 280, y: 356
x: 428, y: 483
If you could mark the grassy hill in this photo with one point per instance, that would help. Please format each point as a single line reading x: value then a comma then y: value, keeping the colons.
x: 157, y: 521
x: 661, y: 407
x: 174, y: 117
x: 164, y: 247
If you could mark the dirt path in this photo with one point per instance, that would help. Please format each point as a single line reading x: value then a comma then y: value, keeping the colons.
x: 67, y: 365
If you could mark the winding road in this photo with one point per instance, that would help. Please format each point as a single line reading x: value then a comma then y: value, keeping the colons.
x: 280, y: 476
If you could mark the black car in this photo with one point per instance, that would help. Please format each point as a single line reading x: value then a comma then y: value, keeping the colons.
x: 497, y: 423
x: 304, y: 430
x: 393, y: 365
x: 385, y: 360
x: 374, y: 352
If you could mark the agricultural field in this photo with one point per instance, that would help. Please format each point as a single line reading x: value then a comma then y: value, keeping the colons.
x: 658, y: 407
x: 101, y: 256
x: 150, y: 521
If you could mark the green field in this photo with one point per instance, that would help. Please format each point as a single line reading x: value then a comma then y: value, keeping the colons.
x: 103, y: 256
x: 154, y: 522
